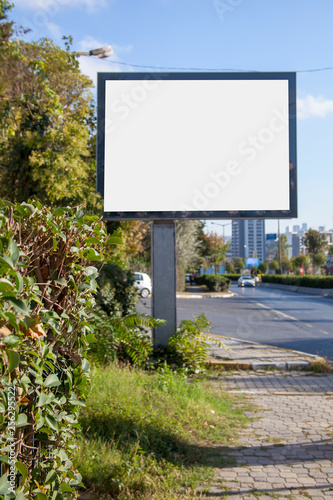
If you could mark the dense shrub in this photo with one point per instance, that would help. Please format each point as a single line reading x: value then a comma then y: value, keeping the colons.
x: 307, y: 281
x: 47, y: 286
x: 116, y: 294
x: 214, y: 282
x: 233, y: 277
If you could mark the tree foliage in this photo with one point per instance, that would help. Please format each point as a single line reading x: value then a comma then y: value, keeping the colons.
x: 47, y: 286
x: 300, y: 262
x: 47, y: 120
x: 188, y: 248
x: 315, y: 242
x: 239, y: 264
x: 215, y: 249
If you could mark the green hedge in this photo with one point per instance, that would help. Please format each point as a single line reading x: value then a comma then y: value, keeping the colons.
x: 214, y: 282
x: 233, y: 277
x: 307, y: 281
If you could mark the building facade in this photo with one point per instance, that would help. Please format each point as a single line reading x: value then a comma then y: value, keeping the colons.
x: 248, y: 239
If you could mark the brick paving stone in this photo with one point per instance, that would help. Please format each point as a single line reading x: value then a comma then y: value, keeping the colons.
x: 300, y: 464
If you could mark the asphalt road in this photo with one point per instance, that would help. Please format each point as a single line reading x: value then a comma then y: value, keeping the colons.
x: 266, y: 315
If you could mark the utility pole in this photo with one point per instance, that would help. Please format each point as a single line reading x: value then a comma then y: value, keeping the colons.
x: 279, y: 252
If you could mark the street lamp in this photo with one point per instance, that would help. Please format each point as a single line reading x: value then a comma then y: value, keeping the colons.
x: 223, y: 226
x: 101, y: 53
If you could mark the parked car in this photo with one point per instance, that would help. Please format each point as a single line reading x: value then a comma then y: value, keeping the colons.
x: 142, y: 284
x: 246, y: 281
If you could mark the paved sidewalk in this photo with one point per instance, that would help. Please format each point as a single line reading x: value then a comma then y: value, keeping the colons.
x: 237, y: 353
x: 287, y: 451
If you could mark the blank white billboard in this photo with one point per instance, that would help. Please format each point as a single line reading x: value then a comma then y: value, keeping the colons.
x: 196, y: 146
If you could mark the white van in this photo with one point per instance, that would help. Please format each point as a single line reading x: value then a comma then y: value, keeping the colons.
x: 142, y: 284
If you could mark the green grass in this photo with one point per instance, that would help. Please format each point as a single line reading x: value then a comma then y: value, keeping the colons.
x: 154, y: 435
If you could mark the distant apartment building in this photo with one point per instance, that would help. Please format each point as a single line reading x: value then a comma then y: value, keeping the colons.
x: 248, y: 239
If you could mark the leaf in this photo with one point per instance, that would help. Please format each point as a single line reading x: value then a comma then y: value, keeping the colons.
x: 77, y: 481
x: 4, y: 485
x: 85, y: 365
x: 41, y: 496
x: 79, y: 214
x: 6, y: 262
x: 14, y: 359
x: 23, y: 470
x: 22, y: 420
x: 65, y: 487
x: 51, y: 422
x: 18, y: 304
x: 58, y: 212
x: 19, y: 282
x: 44, y: 399
x: 14, y: 252
x: 40, y: 423
x: 20, y: 496
x: 90, y: 338
x: 29, y: 207
x: 11, y: 340
x: 62, y: 281
x: 52, y: 380
x: 51, y: 477
x: 91, y: 254
x: 77, y: 402
x: 5, y: 285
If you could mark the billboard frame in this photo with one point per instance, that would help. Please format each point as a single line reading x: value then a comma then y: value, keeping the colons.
x: 199, y: 214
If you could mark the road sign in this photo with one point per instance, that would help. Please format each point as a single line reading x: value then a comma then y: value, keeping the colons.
x: 271, y: 236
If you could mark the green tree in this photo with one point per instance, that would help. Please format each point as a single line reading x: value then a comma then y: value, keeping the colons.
x: 230, y: 268
x: 283, y: 249
x: 215, y: 249
x: 301, y: 261
x: 263, y: 267
x: 6, y: 26
x: 47, y: 123
x: 188, y: 247
x: 315, y: 243
x: 285, y: 264
x: 274, y: 266
x: 239, y: 264
x: 318, y: 260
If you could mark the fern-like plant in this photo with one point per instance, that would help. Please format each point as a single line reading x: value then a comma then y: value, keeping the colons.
x: 189, y: 346
x: 126, y: 338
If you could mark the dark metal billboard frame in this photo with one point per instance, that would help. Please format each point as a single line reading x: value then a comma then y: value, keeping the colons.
x: 197, y: 214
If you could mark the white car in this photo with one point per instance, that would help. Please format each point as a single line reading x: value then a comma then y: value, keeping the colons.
x: 246, y: 281
x: 142, y: 284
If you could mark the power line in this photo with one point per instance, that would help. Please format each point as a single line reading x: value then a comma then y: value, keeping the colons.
x: 177, y: 68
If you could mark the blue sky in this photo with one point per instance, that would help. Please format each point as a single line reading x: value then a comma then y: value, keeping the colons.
x: 274, y: 35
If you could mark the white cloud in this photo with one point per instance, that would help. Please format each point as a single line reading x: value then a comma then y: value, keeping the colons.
x: 55, y: 5
x: 310, y: 106
x: 54, y: 30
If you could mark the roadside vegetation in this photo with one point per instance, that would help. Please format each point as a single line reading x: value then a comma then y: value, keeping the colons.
x: 154, y: 424
x: 154, y: 434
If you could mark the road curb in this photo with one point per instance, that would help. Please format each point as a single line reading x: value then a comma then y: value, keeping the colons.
x: 262, y: 364
x: 186, y: 295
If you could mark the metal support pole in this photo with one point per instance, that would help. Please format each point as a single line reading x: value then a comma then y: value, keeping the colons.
x: 164, y: 279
